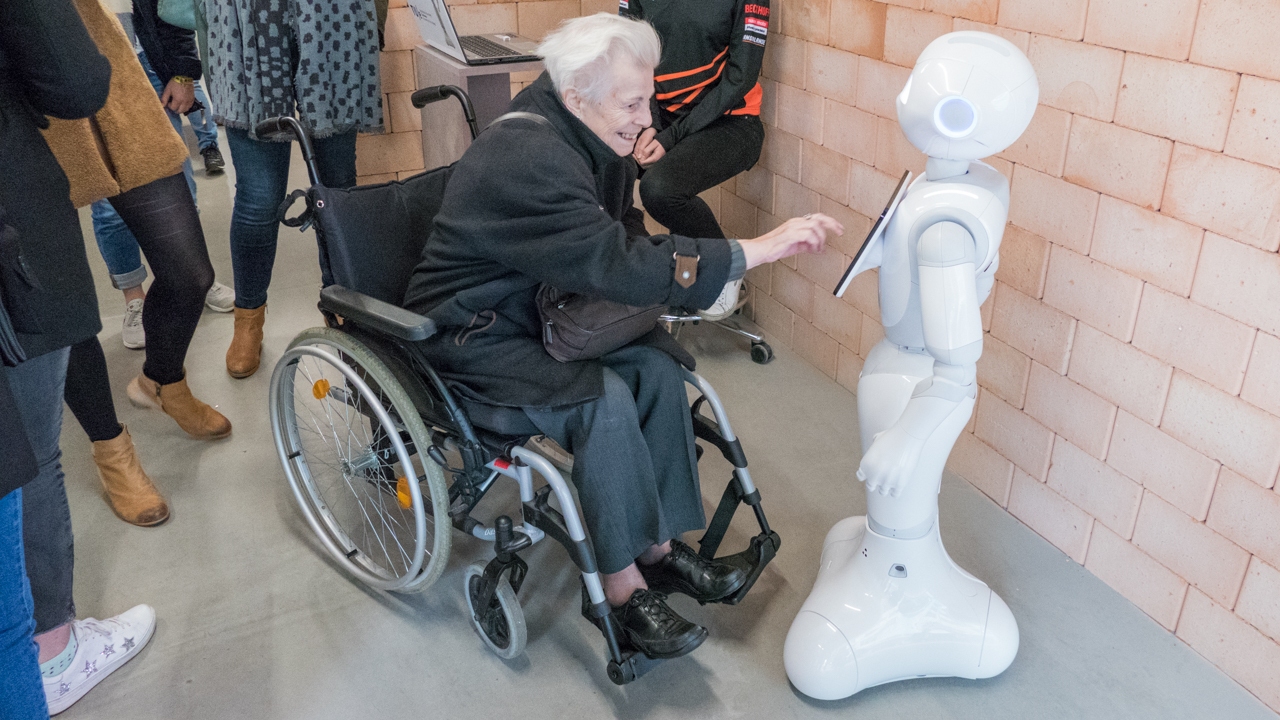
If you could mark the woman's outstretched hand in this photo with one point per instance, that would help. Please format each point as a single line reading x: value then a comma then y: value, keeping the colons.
x: 797, y: 235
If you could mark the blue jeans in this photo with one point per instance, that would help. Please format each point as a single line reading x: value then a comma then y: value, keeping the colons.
x: 262, y: 179
x: 37, y: 386
x: 21, y: 690
x: 117, y: 244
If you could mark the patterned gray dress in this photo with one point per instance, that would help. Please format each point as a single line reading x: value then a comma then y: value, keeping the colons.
x: 317, y: 59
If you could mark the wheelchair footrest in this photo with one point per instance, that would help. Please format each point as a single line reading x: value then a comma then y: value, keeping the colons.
x: 633, y: 665
x: 762, y: 549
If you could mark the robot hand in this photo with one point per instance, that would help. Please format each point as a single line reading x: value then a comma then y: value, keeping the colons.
x: 890, y: 461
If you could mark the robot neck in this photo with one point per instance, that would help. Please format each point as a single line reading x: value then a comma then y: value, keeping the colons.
x: 939, y: 169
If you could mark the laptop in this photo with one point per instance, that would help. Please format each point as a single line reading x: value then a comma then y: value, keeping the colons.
x: 438, y: 31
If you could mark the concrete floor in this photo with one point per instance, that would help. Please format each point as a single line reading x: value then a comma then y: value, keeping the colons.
x: 256, y: 622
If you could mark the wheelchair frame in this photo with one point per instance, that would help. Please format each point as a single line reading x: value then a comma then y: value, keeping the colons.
x: 389, y: 334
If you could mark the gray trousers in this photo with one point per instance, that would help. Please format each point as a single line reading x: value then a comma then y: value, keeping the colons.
x: 634, y: 462
x: 46, y: 517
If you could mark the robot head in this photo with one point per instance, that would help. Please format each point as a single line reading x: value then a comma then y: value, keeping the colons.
x: 970, y: 95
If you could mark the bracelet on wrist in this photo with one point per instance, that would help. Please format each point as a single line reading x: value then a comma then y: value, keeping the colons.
x: 183, y: 80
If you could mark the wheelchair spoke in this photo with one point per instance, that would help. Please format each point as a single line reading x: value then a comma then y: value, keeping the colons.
x: 356, y: 439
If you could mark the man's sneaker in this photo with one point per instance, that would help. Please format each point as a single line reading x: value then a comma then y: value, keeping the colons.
x: 213, y: 162
x: 220, y: 298
x: 104, y: 645
x: 131, y: 332
x: 724, y: 305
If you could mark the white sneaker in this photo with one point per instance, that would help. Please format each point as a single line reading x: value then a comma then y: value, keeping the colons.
x: 104, y: 646
x: 724, y: 305
x: 131, y: 333
x: 220, y: 298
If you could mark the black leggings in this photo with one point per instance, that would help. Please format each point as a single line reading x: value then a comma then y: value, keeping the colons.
x: 669, y: 188
x: 88, y: 390
x: 162, y: 216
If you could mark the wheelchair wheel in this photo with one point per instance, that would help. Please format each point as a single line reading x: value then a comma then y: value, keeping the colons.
x: 501, y: 625
x: 352, y: 445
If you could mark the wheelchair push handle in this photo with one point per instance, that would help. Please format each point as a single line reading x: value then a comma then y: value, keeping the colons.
x: 289, y: 126
x: 435, y: 93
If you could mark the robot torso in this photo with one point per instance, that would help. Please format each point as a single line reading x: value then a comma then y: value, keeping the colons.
x: 978, y: 201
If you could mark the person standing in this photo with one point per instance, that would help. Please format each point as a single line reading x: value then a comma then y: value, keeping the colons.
x: 49, y: 66
x: 266, y: 59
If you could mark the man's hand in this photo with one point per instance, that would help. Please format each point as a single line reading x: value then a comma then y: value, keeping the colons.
x: 648, y: 151
x: 797, y: 235
x: 178, y: 97
x: 889, y: 463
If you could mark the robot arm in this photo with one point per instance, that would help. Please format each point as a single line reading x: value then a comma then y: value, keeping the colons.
x: 953, y: 336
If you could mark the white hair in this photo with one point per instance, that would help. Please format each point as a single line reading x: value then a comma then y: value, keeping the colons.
x: 580, y: 52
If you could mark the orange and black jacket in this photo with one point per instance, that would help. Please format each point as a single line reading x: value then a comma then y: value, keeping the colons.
x: 711, y: 56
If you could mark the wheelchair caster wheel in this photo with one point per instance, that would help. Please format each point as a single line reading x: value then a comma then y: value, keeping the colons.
x: 501, y: 625
x: 761, y: 353
x: 620, y: 674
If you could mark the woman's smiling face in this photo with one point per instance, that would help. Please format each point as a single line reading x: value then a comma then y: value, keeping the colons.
x: 623, y: 113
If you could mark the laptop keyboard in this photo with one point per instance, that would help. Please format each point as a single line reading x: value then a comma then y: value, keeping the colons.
x: 483, y: 47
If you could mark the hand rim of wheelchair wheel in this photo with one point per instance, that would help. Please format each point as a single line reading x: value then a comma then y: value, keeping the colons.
x: 503, y: 619
x: 425, y: 568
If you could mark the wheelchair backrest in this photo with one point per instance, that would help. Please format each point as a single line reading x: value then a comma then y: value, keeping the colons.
x: 371, y: 236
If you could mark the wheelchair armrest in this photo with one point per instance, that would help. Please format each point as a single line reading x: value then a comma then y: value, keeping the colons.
x: 376, y: 314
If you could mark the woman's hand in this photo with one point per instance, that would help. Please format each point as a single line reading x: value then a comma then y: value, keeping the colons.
x: 797, y: 235
x: 648, y: 151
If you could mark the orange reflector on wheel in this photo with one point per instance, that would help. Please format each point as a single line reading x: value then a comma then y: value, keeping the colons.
x: 402, y: 492
x: 320, y: 389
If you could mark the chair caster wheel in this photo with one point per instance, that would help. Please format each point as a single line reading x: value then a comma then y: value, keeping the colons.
x: 501, y: 625
x: 761, y: 353
x: 621, y: 674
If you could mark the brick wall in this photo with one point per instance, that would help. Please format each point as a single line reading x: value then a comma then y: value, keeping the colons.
x: 1129, y: 403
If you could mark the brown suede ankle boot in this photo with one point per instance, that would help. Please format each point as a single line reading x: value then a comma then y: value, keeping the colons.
x: 129, y: 491
x: 175, y: 400
x: 246, y: 344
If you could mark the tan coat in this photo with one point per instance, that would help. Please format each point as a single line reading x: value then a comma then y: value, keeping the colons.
x: 129, y: 142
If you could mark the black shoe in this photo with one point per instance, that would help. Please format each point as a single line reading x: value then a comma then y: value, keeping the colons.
x: 213, y: 162
x: 685, y: 571
x: 655, y: 629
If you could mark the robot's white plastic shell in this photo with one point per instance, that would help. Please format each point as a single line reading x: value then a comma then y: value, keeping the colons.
x: 970, y: 95
x: 889, y: 603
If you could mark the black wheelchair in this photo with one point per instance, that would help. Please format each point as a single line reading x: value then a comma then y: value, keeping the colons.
x: 367, y: 431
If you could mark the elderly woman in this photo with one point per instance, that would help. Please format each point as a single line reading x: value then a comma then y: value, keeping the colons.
x: 533, y: 203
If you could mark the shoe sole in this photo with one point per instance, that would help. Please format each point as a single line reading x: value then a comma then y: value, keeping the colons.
x: 242, y: 375
x: 215, y: 308
x: 134, y: 346
x: 123, y: 519
x: 70, y: 699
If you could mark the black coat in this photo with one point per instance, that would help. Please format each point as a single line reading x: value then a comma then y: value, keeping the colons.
x: 171, y: 50
x: 48, y: 66
x: 527, y: 205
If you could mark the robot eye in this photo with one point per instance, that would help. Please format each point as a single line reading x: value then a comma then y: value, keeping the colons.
x: 955, y: 117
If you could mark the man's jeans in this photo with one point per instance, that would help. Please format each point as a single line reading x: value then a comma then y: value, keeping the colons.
x: 37, y: 386
x: 116, y: 243
x: 262, y: 178
x: 21, y: 690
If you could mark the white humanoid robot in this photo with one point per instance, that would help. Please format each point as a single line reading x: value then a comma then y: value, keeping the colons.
x: 889, y: 603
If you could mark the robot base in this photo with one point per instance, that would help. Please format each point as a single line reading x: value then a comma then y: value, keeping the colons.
x: 886, y: 609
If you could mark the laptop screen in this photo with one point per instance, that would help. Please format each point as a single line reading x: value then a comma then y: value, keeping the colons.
x: 436, y: 27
